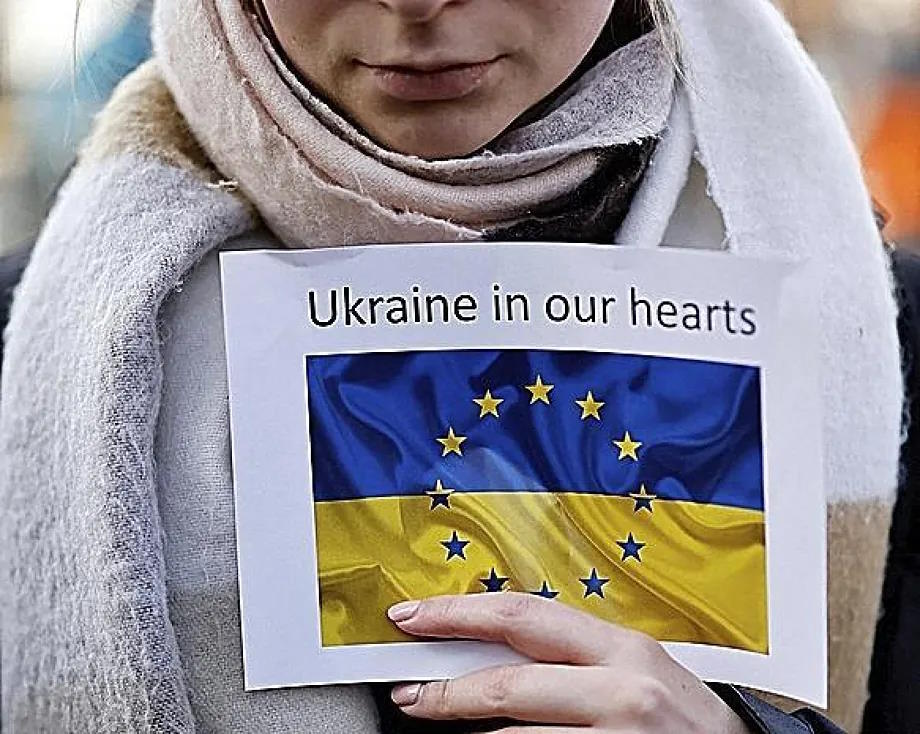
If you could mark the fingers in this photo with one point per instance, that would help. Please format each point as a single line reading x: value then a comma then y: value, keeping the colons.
x: 547, y: 694
x: 615, y: 679
x: 542, y: 629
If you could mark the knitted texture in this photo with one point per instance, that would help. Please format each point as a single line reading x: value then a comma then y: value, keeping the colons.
x: 772, y: 140
x: 87, y: 644
x: 196, y: 500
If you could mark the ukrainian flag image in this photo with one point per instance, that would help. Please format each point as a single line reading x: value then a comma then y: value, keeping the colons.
x: 628, y: 486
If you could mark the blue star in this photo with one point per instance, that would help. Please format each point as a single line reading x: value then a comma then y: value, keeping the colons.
x: 631, y: 548
x: 439, y: 500
x: 643, y: 499
x: 494, y: 582
x: 455, y: 546
x: 440, y: 496
x: 594, y: 584
x: 545, y: 592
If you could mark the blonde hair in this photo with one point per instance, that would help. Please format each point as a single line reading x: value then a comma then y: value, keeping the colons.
x: 665, y: 22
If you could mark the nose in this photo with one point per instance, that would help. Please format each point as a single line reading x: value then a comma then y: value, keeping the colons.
x: 417, y: 11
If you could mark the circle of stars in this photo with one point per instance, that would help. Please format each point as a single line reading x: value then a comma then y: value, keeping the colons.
x: 628, y: 450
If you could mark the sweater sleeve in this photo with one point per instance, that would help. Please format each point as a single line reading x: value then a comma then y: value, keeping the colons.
x: 762, y: 718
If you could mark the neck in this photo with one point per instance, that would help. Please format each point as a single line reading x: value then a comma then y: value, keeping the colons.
x: 628, y: 21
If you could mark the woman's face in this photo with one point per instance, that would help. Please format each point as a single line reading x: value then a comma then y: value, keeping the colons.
x: 436, y: 78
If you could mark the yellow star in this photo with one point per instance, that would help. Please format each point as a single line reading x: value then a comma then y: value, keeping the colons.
x: 452, y: 443
x: 628, y: 447
x: 488, y: 405
x: 590, y: 408
x: 539, y: 393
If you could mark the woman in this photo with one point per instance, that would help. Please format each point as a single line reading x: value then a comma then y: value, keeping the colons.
x: 330, y: 122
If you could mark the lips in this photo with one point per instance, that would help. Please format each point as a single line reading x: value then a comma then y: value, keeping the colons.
x: 431, y: 82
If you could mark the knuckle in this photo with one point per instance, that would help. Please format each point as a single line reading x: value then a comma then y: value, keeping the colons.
x: 444, y: 607
x: 501, y: 688
x: 438, y: 697
x: 514, y: 608
x: 643, y: 648
x: 443, y: 612
x: 644, y: 700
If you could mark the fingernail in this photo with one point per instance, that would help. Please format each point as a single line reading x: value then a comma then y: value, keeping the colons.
x: 402, y: 611
x: 406, y: 695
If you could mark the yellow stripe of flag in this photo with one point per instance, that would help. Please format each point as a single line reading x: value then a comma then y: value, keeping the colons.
x: 701, y: 577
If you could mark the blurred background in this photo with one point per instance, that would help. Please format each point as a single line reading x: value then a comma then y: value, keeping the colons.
x: 50, y: 88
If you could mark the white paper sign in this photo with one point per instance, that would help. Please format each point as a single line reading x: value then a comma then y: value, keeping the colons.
x: 636, y: 433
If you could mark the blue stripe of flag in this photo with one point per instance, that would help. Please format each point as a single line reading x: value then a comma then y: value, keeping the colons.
x: 375, y: 419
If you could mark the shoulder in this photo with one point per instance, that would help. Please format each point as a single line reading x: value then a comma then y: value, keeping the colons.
x: 142, y: 118
x: 141, y: 189
x: 141, y: 158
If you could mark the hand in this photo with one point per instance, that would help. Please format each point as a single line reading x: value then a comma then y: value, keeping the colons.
x: 588, y: 675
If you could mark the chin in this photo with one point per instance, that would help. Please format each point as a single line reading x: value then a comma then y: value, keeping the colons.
x: 436, y: 137
x: 435, y: 150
